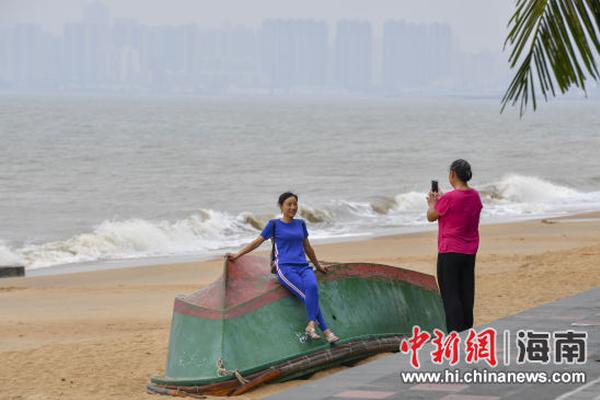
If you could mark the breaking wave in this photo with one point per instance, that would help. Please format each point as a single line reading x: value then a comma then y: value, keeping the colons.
x: 315, y: 216
x: 200, y: 233
x: 518, y: 195
x: 211, y: 232
x: 7, y: 256
x: 525, y: 189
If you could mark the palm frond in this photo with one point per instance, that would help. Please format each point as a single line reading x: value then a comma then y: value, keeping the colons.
x: 557, y: 43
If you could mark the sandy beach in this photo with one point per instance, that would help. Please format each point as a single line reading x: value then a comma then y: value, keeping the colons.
x: 101, y: 334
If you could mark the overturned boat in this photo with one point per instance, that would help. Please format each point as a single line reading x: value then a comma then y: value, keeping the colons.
x: 245, y: 329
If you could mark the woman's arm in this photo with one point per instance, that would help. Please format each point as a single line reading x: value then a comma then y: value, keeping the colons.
x: 310, y: 252
x: 246, y: 249
x: 432, y: 199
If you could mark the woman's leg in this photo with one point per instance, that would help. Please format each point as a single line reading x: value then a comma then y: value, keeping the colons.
x: 291, y: 280
x: 312, y: 297
x: 467, y: 290
x: 301, y: 281
x: 449, y: 281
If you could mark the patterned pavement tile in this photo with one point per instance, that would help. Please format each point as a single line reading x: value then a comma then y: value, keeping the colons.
x: 439, y: 387
x: 468, y: 397
x: 364, y: 394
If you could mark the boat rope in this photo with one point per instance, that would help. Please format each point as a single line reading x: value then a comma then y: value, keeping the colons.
x: 154, y: 389
x: 222, y: 371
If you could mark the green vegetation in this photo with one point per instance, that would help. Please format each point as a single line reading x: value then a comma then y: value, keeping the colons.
x: 557, y: 44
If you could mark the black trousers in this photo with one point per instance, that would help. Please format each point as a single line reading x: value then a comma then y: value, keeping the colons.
x: 456, y: 279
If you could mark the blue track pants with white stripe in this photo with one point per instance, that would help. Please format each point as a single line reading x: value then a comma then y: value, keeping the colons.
x: 301, y: 281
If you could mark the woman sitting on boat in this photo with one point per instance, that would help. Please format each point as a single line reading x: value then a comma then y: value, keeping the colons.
x: 293, y: 271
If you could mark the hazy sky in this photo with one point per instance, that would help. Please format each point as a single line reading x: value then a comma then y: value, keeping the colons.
x: 479, y: 24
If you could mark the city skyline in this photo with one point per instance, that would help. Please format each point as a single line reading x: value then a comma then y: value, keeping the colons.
x: 115, y: 54
x: 478, y: 25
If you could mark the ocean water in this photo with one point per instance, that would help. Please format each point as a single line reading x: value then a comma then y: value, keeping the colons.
x: 89, y: 179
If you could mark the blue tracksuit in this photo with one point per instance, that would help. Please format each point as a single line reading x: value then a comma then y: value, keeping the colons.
x: 301, y: 281
x: 293, y: 271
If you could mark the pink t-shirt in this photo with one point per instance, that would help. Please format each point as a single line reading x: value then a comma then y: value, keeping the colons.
x: 458, y: 230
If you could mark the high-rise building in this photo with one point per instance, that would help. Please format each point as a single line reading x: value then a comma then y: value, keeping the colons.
x: 416, y: 56
x: 126, y: 59
x: 353, y: 49
x: 96, y: 19
x: 26, y: 54
x: 5, y: 65
x: 294, y: 53
x: 73, y: 54
x: 87, y: 47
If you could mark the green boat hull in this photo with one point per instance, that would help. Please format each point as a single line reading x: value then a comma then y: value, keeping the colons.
x: 246, y: 322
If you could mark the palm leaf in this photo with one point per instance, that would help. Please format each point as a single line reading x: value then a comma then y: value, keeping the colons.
x: 557, y: 43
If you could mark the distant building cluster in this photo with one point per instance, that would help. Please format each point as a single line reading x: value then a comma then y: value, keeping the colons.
x: 287, y: 56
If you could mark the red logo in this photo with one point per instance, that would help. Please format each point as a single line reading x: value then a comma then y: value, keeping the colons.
x: 414, y: 344
x: 446, y: 347
x: 481, y: 346
x: 478, y: 346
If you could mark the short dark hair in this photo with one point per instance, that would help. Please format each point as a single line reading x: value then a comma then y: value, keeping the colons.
x: 284, y: 196
x: 462, y: 169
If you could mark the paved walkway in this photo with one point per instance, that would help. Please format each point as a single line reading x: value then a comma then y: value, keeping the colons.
x: 381, y: 379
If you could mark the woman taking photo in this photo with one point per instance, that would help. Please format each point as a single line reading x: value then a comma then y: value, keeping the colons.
x: 457, y: 213
x: 293, y: 271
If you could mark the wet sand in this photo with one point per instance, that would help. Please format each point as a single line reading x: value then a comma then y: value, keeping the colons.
x: 101, y: 334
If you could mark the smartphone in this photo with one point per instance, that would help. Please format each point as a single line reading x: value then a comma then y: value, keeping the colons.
x: 434, y: 187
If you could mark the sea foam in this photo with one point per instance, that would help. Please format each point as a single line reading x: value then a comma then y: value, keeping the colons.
x: 8, y: 256
x: 211, y: 232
